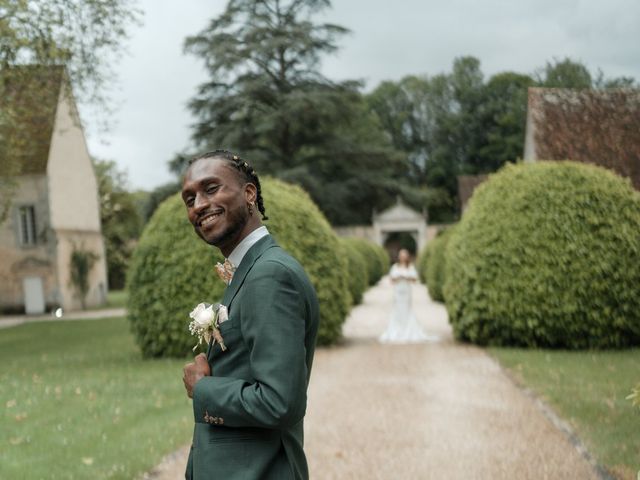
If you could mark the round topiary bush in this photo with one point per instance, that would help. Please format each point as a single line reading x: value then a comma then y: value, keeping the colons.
x: 358, y: 272
x: 172, y: 270
x: 303, y: 231
x: 433, y: 264
x: 421, y: 263
x: 384, y: 262
x: 547, y: 254
x: 376, y: 257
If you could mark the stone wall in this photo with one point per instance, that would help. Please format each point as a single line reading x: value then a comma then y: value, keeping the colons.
x: 18, y: 261
x: 358, y: 231
x: 68, y: 240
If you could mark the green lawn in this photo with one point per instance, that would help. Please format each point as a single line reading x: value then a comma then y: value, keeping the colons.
x: 116, y: 299
x: 588, y: 389
x: 79, y: 402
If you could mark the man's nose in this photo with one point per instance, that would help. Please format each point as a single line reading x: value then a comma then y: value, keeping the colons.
x: 200, y: 202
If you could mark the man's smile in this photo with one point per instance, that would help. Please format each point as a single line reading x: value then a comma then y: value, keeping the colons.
x: 210, y: 218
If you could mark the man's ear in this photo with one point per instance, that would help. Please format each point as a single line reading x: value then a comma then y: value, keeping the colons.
x: 250, y: 193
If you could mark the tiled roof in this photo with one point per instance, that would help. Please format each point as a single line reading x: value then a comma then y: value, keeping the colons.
x: 593, y: 126
x: 30, y: 99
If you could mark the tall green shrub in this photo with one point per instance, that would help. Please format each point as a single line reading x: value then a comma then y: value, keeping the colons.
x: 384, y: 261
x: 302, y: 230
x: 421, y: 263
x: 433, y: 263
x: 377, y: 258
x: 172, y: 270
x: 547, y: 254
x: 358, y: 272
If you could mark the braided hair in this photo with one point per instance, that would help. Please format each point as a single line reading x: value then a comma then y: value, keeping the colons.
x: 246, y: 172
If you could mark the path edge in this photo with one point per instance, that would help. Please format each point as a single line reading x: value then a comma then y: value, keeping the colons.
x: 557, y: 421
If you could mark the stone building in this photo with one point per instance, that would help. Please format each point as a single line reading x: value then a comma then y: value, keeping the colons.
x: 54, y: 208
x: 386, y: 225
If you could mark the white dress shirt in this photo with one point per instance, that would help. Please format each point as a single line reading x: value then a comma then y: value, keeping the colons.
x: 247, y: 242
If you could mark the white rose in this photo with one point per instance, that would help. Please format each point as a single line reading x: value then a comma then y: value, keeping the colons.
x: 202, y: 314
x: 223, y: 314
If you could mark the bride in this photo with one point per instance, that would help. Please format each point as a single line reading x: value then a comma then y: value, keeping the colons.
x: 403, y: 326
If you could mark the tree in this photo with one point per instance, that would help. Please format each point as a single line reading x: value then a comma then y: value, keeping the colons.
x: 456, y: 123
x: 265, y: 93
x: 565, y: 74
x: 504, y: 117
x: 155, y: 197
x: 121, y: 222
x: 83, y: 36
x: 569, y: 73
x: 434, y: 120
x: 267, y: 100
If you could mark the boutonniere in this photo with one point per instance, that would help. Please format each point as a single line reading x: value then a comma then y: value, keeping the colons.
x: 225, y: 271
x: 205, y: 323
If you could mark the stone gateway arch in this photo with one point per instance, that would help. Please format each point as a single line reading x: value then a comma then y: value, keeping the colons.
x: 400, y: 218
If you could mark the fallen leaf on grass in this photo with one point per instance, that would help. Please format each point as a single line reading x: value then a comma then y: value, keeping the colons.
x: 87, y: 460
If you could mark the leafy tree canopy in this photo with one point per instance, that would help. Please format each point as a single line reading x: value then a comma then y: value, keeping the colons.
x: 457, y: 123
x: 267, y: 100
x: 121, y: 220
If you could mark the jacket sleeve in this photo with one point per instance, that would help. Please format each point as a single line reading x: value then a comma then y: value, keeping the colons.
x: 273, y: 326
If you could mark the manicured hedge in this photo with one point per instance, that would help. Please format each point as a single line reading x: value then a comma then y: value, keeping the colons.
x: 432, y: 264
x: 172, y: 270
x: 421, y: 263
x: 547, y: 254
x: 384, y: 261
x: 377, y: 258
x: 358, y: 272
x: 302, y: 230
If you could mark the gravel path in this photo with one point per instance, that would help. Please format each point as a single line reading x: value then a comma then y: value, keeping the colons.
x: 429, y: 411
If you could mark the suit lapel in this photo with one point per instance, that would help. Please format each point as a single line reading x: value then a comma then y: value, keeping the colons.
x: 247, y: 262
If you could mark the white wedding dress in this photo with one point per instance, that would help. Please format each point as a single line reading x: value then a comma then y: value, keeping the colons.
x: 403, y: 326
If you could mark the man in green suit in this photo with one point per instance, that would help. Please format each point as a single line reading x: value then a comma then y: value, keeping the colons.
x: 249, y: 400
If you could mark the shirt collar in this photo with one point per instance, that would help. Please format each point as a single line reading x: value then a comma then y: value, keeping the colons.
x: 247, y: 242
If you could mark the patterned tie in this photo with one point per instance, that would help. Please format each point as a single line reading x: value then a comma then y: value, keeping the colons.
x: 225, y: 271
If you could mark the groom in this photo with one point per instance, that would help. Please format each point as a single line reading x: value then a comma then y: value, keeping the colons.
x: 249, y: 400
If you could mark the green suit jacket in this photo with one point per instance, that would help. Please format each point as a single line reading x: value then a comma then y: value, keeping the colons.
x: 249, y: 413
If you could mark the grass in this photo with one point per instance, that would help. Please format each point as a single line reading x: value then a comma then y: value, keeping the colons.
x: 79, y: 402
x: 588, y: 389
x: 116, y: 299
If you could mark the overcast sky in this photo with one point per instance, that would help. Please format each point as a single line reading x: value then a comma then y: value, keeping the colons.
x: 388, y: 40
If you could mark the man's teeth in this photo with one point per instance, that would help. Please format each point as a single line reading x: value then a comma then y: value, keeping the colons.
x: 209, y: 219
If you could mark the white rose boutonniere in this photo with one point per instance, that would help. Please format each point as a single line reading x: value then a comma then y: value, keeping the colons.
x: 205, y: 320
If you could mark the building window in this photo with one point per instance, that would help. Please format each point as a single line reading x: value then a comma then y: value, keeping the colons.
x: 27, y: 225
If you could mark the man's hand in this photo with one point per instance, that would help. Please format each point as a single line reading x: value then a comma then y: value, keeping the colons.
x: 195, y: 371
